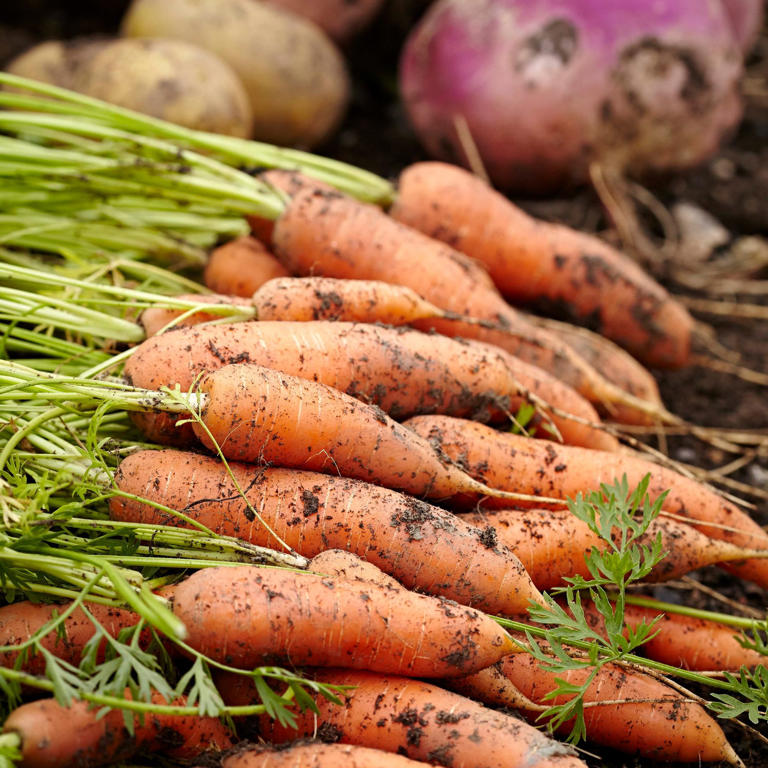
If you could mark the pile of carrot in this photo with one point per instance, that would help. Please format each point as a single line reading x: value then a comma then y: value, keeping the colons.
x: 388, y: 414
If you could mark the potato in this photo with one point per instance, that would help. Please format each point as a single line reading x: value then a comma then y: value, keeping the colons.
x: 170, y: 79
x: 293, y: 73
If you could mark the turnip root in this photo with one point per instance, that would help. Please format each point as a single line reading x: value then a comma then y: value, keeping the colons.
x: 546, y: 87
x: 170, y: 79
x: 294, y: 75
x: 746, y: 17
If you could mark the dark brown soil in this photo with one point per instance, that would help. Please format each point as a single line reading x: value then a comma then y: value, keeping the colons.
x: 733, y: 187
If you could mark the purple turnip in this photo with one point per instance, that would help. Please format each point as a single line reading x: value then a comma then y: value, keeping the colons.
x: 746, y: 17
x: 546, y: 87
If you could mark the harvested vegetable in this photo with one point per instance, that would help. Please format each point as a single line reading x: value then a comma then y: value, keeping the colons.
x: 422, y: 546
x: 240, y: 267
x: 745, y: 17
x: 54, y: 736
x: 293, y: 74
x: 340, y: 19
x: 402, y: 371
x: 570, y: 272
x: 640, y: 715
x: 546, y: 88
x: 247, y: 616
x: 170, y: 79
x: 509, y: 461
x: 418, y: 720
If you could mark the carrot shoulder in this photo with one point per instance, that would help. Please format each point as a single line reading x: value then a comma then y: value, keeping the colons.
x: 532, y: 260
x: 241, y: 267
x: 247, y: 616
x: 533, y: 466
x: 421, y: 721
x: 422, y: 546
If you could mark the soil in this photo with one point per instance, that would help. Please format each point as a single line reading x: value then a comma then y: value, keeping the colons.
x: 732, y: 187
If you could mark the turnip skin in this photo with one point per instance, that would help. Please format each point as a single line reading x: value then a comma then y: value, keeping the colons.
x: 746, y: 17
x: 548, y: 86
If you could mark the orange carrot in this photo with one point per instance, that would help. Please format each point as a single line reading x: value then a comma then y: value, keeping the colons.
x: 640, y: 715
x: 516, y: 463
x: 617, y: 365
x: 256, y: 414
x: 155, y: 319
x: 247, y: 616
x: 241, y: 267
x: 329, y: 298
x: 54, y: 736
x: 316, y: 754
x: 338, y: 563
x: 687, y: 642
x: 327, y: 234
x: 403, y: 371
x: 422, y: 546
x: 532, y: 260
x: 418, y: 720
x: 552, y: 544
x: 19, y: 621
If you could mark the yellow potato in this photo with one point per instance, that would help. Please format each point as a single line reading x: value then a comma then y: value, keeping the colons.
x: 170, y: 79
x: 294, y: 75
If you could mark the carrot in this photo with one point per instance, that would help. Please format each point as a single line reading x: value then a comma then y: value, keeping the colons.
x: 54, y: 736
x: 241, y: 267
x: 20, y: 621
x: 248, y: 616
x: 403, y: 371
x: 315, y: 754
x: 327, y: 234
x: 155, y: 319
x: 256, y: 414
x: 617, y: 365
x: 418, y: 720
x: 537, y: 467
x: 531, y: 260
x: 339, y: 563
x: 552, y: 543
x: 630, y: 711
x: 328, y: 298
x: 422, y: 546
x: 686, y: 641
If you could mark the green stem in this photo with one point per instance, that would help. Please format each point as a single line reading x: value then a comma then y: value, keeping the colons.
x: 697, y: 613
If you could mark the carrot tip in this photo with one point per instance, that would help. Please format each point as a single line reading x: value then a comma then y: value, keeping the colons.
x: 729, y: 755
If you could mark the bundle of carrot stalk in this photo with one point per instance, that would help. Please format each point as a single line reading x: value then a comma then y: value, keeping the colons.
x: 340, y: 496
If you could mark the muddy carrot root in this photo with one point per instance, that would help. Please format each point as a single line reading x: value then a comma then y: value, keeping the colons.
x: 339, y: 563
x: 155, y: 319
x: 552, y: 544
x: 401, y: 370
x: 513, y: 462
x: 422, y: 546
x: 54, y: 736
x: 327, y: 234
x: 241, y: 267
x: 652, y: 720
x: 418, y: 720
x: 20, y: 621
x: 532, y: 260
x: 687, y: 642
x: 247, y: 616
x: 256, y: 414
x: 316, y: 754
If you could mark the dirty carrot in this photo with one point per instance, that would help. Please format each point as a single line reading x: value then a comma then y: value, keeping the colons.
x: 241, y: 267
x: 422, y: 546
x: 403, y: 371
x: 327, y: 234
x: 248, y: 616
x: 516, y: 463
x: 338, y: 563
x: 55, y: 736
x: 552, y: 544
x: 530, y: 260
x: 418, y: 720
x: 316, y: 754
x: 630, y: 711
x: 687, y: 641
